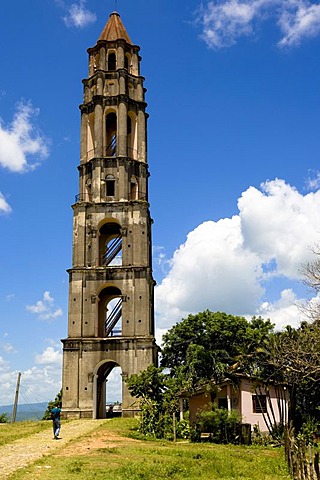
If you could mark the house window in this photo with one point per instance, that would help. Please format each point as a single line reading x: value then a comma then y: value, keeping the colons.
x: 259, y: 403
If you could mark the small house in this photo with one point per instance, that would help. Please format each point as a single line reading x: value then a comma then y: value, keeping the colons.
x: 258, y: 405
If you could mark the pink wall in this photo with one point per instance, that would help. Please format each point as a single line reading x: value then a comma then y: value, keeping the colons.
x: 240, y: 399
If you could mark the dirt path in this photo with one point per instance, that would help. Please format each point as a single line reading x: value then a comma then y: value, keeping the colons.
x: 22, y: 452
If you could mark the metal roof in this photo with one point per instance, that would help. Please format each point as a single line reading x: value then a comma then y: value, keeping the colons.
x: 114, y: 29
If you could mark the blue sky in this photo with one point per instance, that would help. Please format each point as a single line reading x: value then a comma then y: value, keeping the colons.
x: 234, y: 154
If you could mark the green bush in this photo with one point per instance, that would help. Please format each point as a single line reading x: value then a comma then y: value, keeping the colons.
x: 4, y: 418
x: 223, y: 426
x: 310, y: 431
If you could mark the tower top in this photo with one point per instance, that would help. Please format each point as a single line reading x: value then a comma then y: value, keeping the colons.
x: 114, y: 29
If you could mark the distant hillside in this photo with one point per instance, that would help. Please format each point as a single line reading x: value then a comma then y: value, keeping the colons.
x: 35, y: 411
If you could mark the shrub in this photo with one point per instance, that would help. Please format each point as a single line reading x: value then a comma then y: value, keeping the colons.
x: 4, y: 418
x: 223, y: 426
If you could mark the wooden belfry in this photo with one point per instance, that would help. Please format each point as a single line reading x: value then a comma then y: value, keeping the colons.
x: 111, y: 305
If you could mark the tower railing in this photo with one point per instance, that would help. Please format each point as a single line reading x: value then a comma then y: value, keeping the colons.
x: 111, y: 149
x: 112, y: 251
x: 114, y: 317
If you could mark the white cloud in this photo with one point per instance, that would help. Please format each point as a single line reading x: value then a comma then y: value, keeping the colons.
x: 39, y: 383
x: 228, y: 265
x: 4, y: 365
x: 49, y: 356
x: 8, y: 348
x: 300, y: 21
x: 20, y: 140
x: 45, y: 308
x: 4, y: 205
x: 284, y: 311
x: 278, y: 223
x: 78, y: 16
x: 114, y: 386
x: 224, y: 22
x: 160, y: 258
x: 313, y: 180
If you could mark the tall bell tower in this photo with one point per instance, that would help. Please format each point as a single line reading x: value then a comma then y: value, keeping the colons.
x: 111, y: 306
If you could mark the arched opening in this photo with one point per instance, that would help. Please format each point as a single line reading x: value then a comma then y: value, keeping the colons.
x: 110, y: 186
x: 110, y: 245
x: 96, y: 63
x: 88, y: 183
x: 107, y: 390
x: 132, y: 135
x: 127, y: 62
x: 111, y: 134
x: 90, y: 136
x: 110, y: 312
x: 112, y: 61
x: 134, y: 189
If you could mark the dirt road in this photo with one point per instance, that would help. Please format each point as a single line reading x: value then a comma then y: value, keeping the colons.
x: 22, y: 452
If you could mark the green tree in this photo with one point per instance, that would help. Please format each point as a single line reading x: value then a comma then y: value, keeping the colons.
x: 201, y: 349
x: 208, y: 346
x: 295, y: 360
x: 156, y: 398
x: 4, y: 418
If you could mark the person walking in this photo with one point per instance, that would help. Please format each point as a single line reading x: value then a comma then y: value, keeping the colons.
x: 56, y: 421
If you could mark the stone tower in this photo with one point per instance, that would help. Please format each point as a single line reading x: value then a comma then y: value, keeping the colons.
x: 111, y: 308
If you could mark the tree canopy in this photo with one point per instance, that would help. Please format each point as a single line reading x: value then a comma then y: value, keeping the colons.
x: 208, y: 346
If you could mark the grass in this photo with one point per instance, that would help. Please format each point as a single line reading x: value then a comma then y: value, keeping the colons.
x: 149, y: 460
x: 9, y: 432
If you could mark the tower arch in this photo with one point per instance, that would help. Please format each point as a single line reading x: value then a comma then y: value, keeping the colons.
x: 100, y: 375
x: 110, y: 312
x: 110, y: 245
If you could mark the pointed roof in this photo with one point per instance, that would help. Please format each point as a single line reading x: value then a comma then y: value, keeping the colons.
x: 114, y: 29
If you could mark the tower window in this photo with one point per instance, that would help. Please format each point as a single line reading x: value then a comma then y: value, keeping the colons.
x: 111, y: 134
x: 112, y: 61
x: 110, y: 186
x: 129, y: 125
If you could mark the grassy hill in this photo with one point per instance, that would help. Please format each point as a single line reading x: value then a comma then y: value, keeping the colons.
x: 115, y: 450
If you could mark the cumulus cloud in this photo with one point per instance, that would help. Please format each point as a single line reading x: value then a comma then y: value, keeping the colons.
x: 278, y: 223
x: 49, y: 356
x: 228, y: 265
x: 38, y: 383
x: 224, y: 22
x: 284, y: 311
x: 45, y: 308
x: 21, y: 139
x: 4, y: 205
x: 78, y: 15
